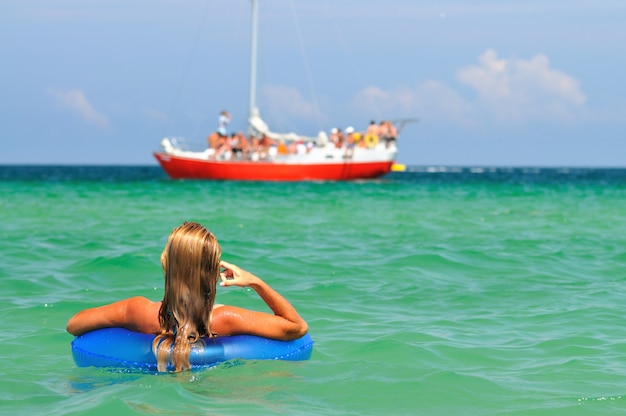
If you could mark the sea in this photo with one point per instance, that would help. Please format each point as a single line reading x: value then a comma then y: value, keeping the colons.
x: 434, y: 291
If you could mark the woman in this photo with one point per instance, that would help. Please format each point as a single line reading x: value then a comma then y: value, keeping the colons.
x: 191, y: 263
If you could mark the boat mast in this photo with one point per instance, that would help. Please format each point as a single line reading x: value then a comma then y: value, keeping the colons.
x: 253, y: 51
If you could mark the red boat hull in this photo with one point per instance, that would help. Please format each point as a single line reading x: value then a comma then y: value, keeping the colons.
x: 186, y: 168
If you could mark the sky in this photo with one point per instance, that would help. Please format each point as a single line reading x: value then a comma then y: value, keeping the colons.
x: 491, y: 83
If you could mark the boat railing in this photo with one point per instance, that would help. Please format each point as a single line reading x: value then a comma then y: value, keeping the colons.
x: 181, y: 146
x: 402, y: 122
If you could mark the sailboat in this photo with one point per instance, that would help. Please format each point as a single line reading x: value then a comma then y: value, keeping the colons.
x: 314, y: 158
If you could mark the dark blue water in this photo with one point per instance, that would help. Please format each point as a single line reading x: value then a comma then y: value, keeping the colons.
x: 419, y: 174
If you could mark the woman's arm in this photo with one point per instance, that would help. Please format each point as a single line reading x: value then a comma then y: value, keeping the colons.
x: 137, y: 314
x: 285, y: 324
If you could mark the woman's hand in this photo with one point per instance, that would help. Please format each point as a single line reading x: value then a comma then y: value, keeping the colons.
x: 236, y: 276
x: 285, y: 323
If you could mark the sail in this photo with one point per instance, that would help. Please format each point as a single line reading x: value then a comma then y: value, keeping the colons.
x: 259, y: 128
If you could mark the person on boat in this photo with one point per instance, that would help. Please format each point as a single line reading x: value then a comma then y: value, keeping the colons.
x: 213, y: 140
x: 236, y: 146
x: 383, y: 131
x: 224, y: 150
x: 265, y: 145
x: 350, y: 143
x: 301, y: 147
x: 393, y: 133
x: 282, y: 148
x: 387, y: 132
x: 336, y: 136
x: 371, y: 135
x: 244, y: 144
x: 255, y: 148
x: 222, y: 123
x: 191, y: 263
x: 357, y: 138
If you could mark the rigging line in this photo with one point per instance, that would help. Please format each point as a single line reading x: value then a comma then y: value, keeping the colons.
x: 192, y: 53
x: 306, y: 66
x: 229, y: 56
x: 355, y: 68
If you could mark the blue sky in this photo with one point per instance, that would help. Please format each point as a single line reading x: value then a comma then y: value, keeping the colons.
x: 497, y: 83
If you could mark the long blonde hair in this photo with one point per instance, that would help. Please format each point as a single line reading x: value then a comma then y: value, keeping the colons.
x: 190, y: 261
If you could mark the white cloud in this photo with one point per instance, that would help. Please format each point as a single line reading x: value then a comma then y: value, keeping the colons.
x: 76, y: 101
x: 520, y: 90
x: 504, y: 90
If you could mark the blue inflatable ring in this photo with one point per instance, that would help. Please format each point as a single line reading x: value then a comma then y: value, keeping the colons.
x: 121, y: 348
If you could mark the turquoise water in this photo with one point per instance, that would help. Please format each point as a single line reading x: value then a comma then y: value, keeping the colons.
x: 463, y: 292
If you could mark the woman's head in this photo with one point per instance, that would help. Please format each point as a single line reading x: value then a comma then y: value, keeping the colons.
x: 190, y: 261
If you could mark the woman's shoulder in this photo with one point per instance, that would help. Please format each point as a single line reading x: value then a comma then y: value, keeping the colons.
x: 141, y: 300
x: 144, y: 313
x: 223, y: 317
x: 140, y: 303
x: 219, y: 312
